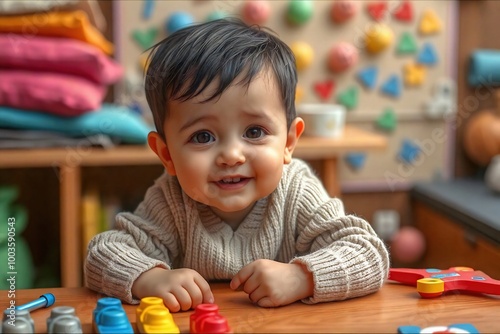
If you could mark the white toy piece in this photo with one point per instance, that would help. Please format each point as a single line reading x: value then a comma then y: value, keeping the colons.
x: 443, y: 103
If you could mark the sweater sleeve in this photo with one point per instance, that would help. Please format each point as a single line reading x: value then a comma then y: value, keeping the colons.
x: 343, y: 252
x: 117, y: 257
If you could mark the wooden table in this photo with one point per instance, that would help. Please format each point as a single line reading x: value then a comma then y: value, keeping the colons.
x: 70, y: 162
x: 383, y: 312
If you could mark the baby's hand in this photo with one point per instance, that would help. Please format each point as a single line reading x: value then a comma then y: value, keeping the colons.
x: 270, y: 283
x: 180, y: 289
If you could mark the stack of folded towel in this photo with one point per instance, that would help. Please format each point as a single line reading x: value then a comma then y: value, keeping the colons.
x: 55, y: 70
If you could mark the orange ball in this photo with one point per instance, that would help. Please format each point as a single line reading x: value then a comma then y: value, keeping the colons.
x: 408, y: 245
x: 482, y: 137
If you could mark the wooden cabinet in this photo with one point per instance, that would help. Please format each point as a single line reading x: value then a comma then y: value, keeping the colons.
x: 449, y: 243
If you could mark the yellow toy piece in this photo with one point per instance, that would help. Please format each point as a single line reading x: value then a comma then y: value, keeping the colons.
x: 378, y: 37
x: 299, y: 94
x: 414, y: 74
x: 430, y: 23
x: 430, y: 286
x: 304, y: 54
x: 154, y: 317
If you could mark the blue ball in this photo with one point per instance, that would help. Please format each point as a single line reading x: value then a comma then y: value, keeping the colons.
x: 177, y: 21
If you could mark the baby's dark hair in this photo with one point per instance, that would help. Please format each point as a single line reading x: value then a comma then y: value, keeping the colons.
x: 182, y: 65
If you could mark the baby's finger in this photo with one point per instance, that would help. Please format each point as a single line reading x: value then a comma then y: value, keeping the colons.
x: 171, y: 302
x: 207, y: 295
x: 183, y: 297
x: 241, y: 277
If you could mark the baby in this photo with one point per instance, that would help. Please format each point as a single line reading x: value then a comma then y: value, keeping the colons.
x: 233, y: 203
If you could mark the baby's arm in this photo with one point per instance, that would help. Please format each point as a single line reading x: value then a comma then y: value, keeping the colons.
x: 134, y: 260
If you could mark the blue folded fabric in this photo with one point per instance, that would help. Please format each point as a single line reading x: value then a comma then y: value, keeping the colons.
x: 112, y: 120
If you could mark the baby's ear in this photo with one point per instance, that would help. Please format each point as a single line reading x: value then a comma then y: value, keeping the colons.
x: 294, y: 133
x: 158, y: 145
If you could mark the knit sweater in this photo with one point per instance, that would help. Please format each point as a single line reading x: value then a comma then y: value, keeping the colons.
x: 297, y: 223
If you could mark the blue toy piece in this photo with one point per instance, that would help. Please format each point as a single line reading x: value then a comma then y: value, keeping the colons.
x: 468, y: 328
x: 427, y: 55
x: 484, y: 68
x: 409, y: 151
x: 110, y: 317
x: 177, y: 21
x: 392, y: 86
x: 147, y: 9
x: 45, y: 300
x: 355, y: 160
x: 368, y: 76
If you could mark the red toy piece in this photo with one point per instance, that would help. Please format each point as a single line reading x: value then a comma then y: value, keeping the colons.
x: 206, y: 319
x: 434, y: 282
x: 404, y: 12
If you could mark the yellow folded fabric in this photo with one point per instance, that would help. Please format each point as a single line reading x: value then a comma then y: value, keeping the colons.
x: 74, y: 24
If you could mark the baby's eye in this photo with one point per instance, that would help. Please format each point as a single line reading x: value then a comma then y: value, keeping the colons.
x: 202, y: 137
x: 255, y: 132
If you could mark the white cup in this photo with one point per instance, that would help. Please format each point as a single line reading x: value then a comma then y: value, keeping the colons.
x: 322, y: 120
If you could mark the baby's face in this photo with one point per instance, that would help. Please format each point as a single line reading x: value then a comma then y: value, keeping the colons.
x: 229, y: 152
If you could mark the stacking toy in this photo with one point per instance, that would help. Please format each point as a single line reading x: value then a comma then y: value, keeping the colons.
x: 154, y: 317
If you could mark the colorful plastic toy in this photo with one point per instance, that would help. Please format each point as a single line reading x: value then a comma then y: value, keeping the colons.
x: 392, y: 86
x: 324, y: 89
x: 299, y: 11
x: 256, y: 12
x: 429, y: 23
x: 377, y: 9
x: 368, y: 76
x: 434, y: 282
x: 427, y: 55
x: 17, y: 321
x: 154, y: 317
x: 404, y: 12
x: 304, y: 54
x: 63, y: 319
x: 349, y: 98
x: 177, y: 21
x: 342, y: 56
x: 206, y: 319
x: 378, y: 37
x: 343, y: 10
x: 387, y: 121
x: 409, y: 151
x: 110, y: 317
x: 455, y: 328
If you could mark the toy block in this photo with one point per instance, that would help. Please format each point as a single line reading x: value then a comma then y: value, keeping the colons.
x: 404, y: 12
x: 110, y: 317
x: 433, y: 282
x: 324, y: 89
x: 429, y: 23
x: 414, y: 74
x: 152, y: 316
x: 409, y: 151
x: 368, y: 76
x: 355, y: 160
x: 406, y: 44
x: 17, y: 321
x: 387, y: 121
x: 455, y: 328
x: 392, y: 86
x: 206, y: 319
x: 427, y: 55
x: 377, y: 10
x: 145, y: 38
x: 147, y: 9
x: 63, y: 319
x: 349, y: 98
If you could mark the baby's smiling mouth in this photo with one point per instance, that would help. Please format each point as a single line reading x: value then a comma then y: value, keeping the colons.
x: 229, y: 180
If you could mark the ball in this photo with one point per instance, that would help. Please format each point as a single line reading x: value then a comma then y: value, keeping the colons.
x: 256, y: 12
x: 342, y: 56
x: 303, y: 53
x: 343, y: 10
x: 299, y: 11
x: 378, y: 37
x: 408, y: 245
x: 177, y: 21
x: 482, y: 137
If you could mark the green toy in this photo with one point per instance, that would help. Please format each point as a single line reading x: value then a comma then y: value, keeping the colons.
x: 17, y: 264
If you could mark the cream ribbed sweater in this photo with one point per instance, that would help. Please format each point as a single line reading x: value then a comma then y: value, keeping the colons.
x: 298, y: 222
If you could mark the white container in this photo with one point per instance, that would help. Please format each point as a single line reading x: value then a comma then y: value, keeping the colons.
x: 322, y: 120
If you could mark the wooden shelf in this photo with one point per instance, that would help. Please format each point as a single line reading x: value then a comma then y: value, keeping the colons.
x: 69, y: 161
